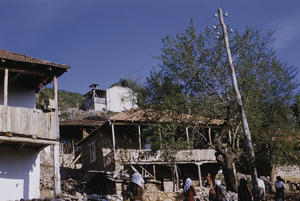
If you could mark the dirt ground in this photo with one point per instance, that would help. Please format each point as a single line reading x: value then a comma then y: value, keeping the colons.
x: 290, y: 197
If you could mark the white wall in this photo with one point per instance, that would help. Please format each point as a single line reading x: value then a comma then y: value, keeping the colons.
x: 19, y: 173
x: 114, y: 98
x: 19, y: 97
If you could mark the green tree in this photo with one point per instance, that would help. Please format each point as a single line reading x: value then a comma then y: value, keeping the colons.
x: 193, y: 78
x: 128, y: 82
x: 65, y: 99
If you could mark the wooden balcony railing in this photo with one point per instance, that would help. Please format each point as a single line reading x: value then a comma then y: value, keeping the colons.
x: 28, y: 122
x: 195, y: 155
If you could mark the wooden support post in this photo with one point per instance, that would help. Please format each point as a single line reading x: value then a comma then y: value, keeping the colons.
x: 140, y: 138
x: 199, y: 174
x: 176, y: 187
x: 187, y: 134
x: 154, y: 172
x: 57, y: 189
x: 160, y: 139
x: 5, y: 89
x: 84, y: 133
x: 55, y: 97
x: 113, y: 141
x: 209, y: 134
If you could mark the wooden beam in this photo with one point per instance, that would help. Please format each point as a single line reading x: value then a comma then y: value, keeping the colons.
x: 42, y: 147
x: 14, y: 78
x: 28, y: 140
x: 21, y: 145
x: 128, y: 123
x: 44, y: 74
x: 8, y: 134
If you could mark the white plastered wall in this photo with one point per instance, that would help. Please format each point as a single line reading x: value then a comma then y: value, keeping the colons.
x: 120, y: 99
x: 19, y: 173
x: 19, y: 97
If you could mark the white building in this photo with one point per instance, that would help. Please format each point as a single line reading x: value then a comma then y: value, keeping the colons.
x: 114, y: 99
x: 25, y: 130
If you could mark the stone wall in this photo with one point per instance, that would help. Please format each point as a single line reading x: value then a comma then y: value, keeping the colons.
x: 47, y: 172
x: 288, y: 173
x: 151, y: 193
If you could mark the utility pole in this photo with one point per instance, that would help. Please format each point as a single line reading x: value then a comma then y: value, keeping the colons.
x: 246, y: 131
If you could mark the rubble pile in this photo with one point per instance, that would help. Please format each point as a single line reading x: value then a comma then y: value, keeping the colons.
x: 151, y: 193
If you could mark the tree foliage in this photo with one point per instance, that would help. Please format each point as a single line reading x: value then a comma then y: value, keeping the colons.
x: 128, y: 82
x: 65, y: 99
x: 193, y: 78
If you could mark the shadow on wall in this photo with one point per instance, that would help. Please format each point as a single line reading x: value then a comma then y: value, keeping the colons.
x: 19, y: 173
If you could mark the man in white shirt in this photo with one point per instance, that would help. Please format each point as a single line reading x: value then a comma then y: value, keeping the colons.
x: 262, y: 189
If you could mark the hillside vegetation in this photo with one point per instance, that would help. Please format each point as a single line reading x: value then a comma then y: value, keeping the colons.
x: 65, y: 99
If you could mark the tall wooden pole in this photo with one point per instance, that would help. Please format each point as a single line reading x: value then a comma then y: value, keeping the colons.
x: 246, y: 130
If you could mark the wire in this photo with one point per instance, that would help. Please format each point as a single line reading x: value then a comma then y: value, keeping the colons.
x: 205, y: 11
x: 141, y: 67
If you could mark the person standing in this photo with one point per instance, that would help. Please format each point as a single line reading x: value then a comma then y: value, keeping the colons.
x: 216, y: 192
x: 208, y: 180
x: 244, y: 191
x: 136, y: 186
x: 262, y: 189
x: 189, y: 190
x: 280, y: 189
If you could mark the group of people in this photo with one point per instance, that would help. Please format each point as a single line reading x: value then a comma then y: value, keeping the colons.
x: 245, y: 192
x: 215, y: 193
x: 135, y: 189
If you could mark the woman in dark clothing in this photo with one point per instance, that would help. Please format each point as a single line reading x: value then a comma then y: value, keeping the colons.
x: 244, y: 191
x: 135, y: 187
x: 189, y: 190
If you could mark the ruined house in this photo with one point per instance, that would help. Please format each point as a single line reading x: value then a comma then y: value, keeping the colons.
x: 25, y: 131
x: 72, y: 131
x: 118, y: 145
x: 114, y: 99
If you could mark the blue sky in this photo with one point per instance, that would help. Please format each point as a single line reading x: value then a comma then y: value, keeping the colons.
x: 105, y: 40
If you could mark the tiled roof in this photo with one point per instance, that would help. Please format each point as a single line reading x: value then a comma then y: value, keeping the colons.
x: 161, y: 117
x: 4, y: 54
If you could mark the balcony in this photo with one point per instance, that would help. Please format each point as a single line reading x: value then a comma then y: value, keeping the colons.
x: 26, y: 122
x: 184, y: 156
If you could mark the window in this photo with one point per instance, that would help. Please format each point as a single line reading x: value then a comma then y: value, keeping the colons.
x: 92, y: 152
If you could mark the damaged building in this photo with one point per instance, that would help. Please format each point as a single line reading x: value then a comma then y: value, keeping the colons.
x: 118, y: 147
